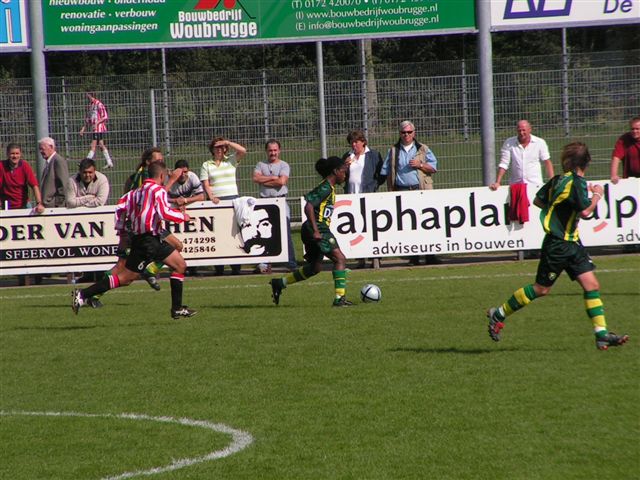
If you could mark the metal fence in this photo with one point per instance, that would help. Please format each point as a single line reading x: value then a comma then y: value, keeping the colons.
x: 591, y: 98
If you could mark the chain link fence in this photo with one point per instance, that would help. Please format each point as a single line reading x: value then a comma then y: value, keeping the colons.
x: 588, y: 97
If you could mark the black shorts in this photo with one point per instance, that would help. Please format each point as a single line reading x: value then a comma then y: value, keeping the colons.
x: 316, y: 250
x: 559, y: 255
x: 144, y: 249
x: 97, y: 136
x: 124, y: 246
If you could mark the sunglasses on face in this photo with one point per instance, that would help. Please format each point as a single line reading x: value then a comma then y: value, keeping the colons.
x: 408, y: 132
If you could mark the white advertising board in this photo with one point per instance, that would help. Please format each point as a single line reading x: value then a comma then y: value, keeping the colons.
x: 469, y: 220
x: 539, y: 14
x: 83, y: 239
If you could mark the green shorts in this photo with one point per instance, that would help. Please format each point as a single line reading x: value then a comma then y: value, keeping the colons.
x: 316, y: 250
x: 559, y: 255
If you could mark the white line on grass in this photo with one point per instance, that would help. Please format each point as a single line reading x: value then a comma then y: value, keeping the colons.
x: 265, y: 285
x: 240, y: 439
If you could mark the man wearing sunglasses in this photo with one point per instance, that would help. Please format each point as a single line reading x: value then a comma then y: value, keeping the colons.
x: 409, y: 165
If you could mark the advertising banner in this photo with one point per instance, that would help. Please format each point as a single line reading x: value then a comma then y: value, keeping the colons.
x: 469, y: 220
x: 71, y: 24
x: 538, y: 14
x: 14, y: 35
x: 84, y: 239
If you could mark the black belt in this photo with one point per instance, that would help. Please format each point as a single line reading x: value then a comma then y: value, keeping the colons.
x: 400, y: 188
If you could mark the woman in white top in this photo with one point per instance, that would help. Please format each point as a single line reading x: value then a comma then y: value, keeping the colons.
x: 218, y: 177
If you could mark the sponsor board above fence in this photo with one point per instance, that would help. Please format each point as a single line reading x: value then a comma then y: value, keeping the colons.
x: 537, y: 14
x: 14, y: 34
x: 85, y: 24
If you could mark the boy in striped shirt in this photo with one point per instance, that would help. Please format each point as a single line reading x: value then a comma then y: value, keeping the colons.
x: 96, y: 120
x: 145, y: 208
x: 564, y: 200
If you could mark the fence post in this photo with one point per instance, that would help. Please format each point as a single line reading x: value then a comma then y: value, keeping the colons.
x: 365, y: 93
x: 165, y: 105
x: 154, y: 126
x: 323, y: 121
x: 465, y: 103
x: 265, y: 105
x: 65, y: 120
x: 565, y: 84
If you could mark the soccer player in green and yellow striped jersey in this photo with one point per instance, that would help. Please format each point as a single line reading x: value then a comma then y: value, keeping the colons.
x: 316, y: 234
x: 563, y: 200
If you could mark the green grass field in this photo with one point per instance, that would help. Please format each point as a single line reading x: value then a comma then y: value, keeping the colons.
x: 410, y: 388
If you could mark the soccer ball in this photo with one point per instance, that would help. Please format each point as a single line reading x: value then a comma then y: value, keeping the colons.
x: 370, y: 293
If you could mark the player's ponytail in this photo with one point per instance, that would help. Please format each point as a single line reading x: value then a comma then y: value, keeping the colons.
x: 326, y: 166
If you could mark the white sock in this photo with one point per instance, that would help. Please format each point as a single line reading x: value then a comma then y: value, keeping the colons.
x: 91, y: 154
x: 107, y: 157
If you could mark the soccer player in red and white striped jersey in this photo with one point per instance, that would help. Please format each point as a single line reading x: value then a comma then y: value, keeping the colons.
x: 96, y: 120
x: 145, y: 208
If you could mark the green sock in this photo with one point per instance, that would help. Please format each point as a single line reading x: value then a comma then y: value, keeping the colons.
x: 520, y: 298
x: 298, y: 275
x: 340, y: 282
x: 154, y: 268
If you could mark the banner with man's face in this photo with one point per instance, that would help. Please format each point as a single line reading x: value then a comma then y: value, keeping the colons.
x: 83, y: 239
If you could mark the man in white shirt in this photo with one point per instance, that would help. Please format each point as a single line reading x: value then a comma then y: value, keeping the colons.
x: 524, y: 154
x: 185, y: 189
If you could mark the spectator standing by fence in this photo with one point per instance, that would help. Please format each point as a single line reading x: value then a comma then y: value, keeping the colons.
x: 627, y: 152
x: 218, y: 177
x: 272, y: 176
x: 16, y: 176
x: 524, y: 154
x: 55, y: 176
x: 88, y: 188
x: 410, y: 165
x: 96, y: 121
x: 363, y: 175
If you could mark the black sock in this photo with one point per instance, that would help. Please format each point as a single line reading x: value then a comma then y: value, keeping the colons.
x: 97, y: 288
x: 176, y: 293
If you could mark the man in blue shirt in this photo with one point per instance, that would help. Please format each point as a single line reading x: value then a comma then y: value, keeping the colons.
x: 409, y: 165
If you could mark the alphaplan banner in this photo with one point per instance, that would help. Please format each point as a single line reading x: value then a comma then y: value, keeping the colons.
x: 539, y: 14
x: 83, y: 239
x: 469, y: 220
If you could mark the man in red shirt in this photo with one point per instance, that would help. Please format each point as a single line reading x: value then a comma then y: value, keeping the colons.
x: 15, y: 177
x: 627, y: 151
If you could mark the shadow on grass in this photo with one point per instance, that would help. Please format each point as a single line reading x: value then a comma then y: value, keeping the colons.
x: 462, y: 351
x: 604, y: 294
x: 60, y: 328
x: 274, y: 308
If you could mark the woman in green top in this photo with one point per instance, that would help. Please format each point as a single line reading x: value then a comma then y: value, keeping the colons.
x: 316, y: 235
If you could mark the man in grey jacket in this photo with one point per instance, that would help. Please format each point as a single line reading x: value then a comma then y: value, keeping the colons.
x: 55, y: 176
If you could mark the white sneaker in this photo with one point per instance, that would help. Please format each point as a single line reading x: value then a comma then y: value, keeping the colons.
x: 77, y: 301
